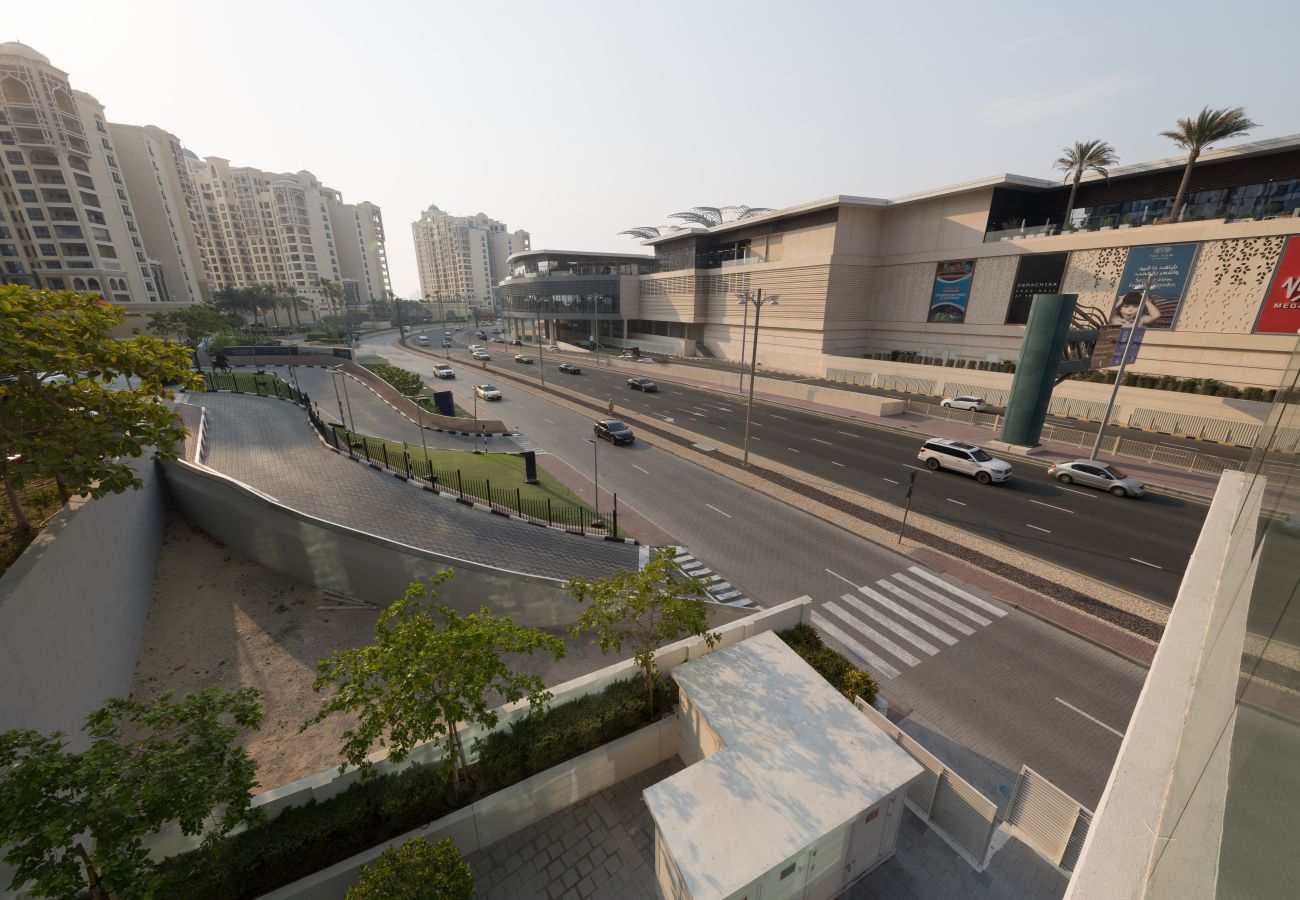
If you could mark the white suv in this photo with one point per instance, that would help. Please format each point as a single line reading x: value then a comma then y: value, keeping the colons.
x: 974, y: 404
x: 442, y: 370
x: 943, y: 453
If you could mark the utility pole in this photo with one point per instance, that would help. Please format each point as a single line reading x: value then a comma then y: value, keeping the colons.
x: 740, y: 386
x: 1119, y: 376
x: 759, y: 301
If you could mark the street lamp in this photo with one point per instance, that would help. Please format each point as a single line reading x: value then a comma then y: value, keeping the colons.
x: 1119, y: 376
x: 352, y: 424
x: 595, y: 466
x: 541, y: 357
x: 758, y: 301
x: 744, y: 326
x: 419, y: 416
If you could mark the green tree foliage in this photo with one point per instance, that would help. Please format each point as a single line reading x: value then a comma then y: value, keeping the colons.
x: 644, y: 610
x: 59, y: 417
x: 189, y: 323
x: 1195, y: 135
x: 429, y: 670
x: 73, y: 821
x: 1080, y: 158
x: 416, y: 870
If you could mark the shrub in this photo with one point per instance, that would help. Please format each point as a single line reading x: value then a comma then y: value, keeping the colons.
x: 417, y: 870
x: 842, y: 675
x: 405, y: 381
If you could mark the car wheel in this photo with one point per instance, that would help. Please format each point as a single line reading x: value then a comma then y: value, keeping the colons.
x: 946, y: 404
x: 983, y: 477
x: 933, y: 464
x: 1064, y: 479
x: 1118, y: 491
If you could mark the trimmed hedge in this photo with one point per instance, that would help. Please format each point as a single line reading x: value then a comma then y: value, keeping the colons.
x: 845, y: 677
x: 404, y: 380
x: 306, y: 839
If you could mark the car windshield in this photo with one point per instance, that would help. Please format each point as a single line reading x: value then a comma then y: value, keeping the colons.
x: 615, y: 425
x: 980, y: 455
x: 1114, y: 472
x: 487, y: 387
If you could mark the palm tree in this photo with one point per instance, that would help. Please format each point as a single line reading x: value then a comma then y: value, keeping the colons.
x: 1195, y: 135
x: 1082, y: 157
x: 333, y: 292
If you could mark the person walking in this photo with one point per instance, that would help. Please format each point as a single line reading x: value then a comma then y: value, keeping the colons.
x: 611, y: 406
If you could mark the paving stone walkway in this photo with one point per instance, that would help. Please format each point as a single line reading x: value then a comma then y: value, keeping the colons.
x: 268, y: 444
x: 603, y: 848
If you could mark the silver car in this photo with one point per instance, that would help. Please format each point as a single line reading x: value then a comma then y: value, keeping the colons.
x: 974, y: 404
x: 1098, y: 475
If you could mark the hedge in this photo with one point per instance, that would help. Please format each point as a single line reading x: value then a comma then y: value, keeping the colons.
x: 845, y: 677
x: 306, y: 839
x: 404, y: 380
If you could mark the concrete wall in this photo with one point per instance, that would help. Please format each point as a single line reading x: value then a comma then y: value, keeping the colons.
x: 73, y: 608
x: 356, y: 564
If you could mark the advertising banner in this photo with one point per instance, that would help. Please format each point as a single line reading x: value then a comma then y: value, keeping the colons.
x: 1281, y: 311
x: 1169, y: 266
x: 1038, y: 273
x: 951, y: 291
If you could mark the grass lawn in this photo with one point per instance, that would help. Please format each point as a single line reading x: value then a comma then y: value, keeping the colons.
x: 40, y: 501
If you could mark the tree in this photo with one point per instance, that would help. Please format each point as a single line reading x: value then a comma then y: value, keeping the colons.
x: 333, y: 292
x: 416, y: 870
x: 77, y: 820
x: 645, y: 610
x: 190, y: 323
x: 1082, y: 157
x: 235, y: 301
x: 1196, y: 135
x: 429, y: 669
x: 60, y: 417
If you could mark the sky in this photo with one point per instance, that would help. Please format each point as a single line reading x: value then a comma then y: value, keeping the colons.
x: 575, y: 120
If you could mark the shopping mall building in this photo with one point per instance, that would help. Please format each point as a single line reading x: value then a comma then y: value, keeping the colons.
x: 949, y: 274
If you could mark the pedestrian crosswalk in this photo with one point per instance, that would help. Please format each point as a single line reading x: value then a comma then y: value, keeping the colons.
x: 900, y: 621
x: 524, y: 443
x: 719, y: 589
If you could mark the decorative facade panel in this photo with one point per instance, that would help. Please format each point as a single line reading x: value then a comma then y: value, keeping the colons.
x: 991, y: 291
x: 902, y: 293
x: 1228, y: 283
x: 1095, y: 275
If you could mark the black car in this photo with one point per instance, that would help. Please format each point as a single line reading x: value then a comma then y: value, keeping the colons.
x: 642, y: 384
x: 446, y: 343
x: 614, y: 431
x: 515, y: 342
x: 571, y: 368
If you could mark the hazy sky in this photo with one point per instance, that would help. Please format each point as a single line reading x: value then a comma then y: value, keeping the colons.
x: 575, y: 120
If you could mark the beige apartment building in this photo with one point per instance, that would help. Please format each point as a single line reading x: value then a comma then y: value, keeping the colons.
x: 359, y: 233
x: 462, y: 258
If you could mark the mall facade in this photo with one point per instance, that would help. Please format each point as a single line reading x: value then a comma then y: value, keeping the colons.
x: 950, y: 273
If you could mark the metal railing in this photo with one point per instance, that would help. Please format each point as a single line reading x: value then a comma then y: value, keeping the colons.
x: 1048, y: 819
x: 940, y: 796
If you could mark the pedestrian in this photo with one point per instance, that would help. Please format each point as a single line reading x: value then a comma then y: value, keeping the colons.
x: 611, y: 406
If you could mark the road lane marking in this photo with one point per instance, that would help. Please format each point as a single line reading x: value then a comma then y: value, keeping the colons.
x: 905, y: 633
x: 861, y: 626
x: 834, y: 463
x: 820, y: 441
x: 918, y: 468
x: 1093, y: 719
x: 1077, y: 491
x: 925, y: 607
x: 1145, y: 563
x: 639, y: 469
x: 847, y: 433
x: 842, y: 578
x: 792, y: 450
x: 883, y: 668
x: 890, y: 480
x: 965, y: 595
x: 754, y: 437
x: 1036, y: 528
x: 548, y: 421
x: 775, y: 416
x: 910, y: 616
x: 958, y: 502
x: 1050, y: 506
x: 940, y: 598
x: 716, y: 510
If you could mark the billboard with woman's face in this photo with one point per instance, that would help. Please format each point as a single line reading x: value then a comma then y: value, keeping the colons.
x: 951, y: 291
x: 1167, y: 266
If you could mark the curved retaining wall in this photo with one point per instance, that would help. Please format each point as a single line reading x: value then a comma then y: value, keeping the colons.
x: 354, y: 563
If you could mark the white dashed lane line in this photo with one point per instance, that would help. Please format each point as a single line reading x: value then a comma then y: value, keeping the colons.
x: 792, y: 450
x: 834, y: 463
x: 1050, y: 506
x: 1093, y: 719
x: 1145, y: 563
x: 1036, y: 528
x: 890, y: 480
x: 782, y: 418
x: 716, y: 510
x: 639, y: 469
x: 820, y: 441
x: 958, y: 502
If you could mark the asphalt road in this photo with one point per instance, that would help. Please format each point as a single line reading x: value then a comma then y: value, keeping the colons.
x: 1139, y: 545
x: 1002, y: 690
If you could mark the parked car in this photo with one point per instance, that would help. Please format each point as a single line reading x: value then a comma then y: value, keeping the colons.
x: 974, y: 404
x: 1099, y: 475
x: 614, y: 431
x: 474, y: 348
x: 446, y: 343
x: 498, y: 340
x: 627, y: 356
x: 487, y: 391
x: 524, y: 358
x: 442, y: 370
x: 571, y: 368
x: 642, y: 384
x: 515, y: 342
x: 482, y: 355
x: 944, y: 453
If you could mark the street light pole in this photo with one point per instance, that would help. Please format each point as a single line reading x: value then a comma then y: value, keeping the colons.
x: 541, y: 357
x: 419, y: 416
x: 352, y: 423
x: 759, y: 301
x: 334, y: 380
x: 595, y: 465
x: 744, y: 295
x: 1119, y: 376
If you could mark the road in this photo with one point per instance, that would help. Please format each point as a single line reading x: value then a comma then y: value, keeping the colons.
x: 990, y: 690
x: 1139, y: 545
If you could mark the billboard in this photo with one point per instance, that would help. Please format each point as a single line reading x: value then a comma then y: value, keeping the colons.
x: 951, y: 291
x: 1169, y: 266
x: 1111, y: 344
x: 1281, y: 311
x: 1038, y: 273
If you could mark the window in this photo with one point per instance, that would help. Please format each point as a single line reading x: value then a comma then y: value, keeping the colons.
x: 48, y: 250
x: 40, y: 231
x: 14, y: 156
x: 27, y: 196
x: 35, y: 215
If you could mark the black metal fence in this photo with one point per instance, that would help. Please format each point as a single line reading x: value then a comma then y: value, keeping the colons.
x: 264, y: 384
x: 505, y: 500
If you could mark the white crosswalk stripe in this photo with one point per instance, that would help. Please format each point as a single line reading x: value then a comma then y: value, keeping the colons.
x: 719, y: 589
x: 524, y: 443
x: 903, y: 619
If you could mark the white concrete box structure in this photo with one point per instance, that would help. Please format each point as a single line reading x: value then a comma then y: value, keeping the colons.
x: 789, y: 792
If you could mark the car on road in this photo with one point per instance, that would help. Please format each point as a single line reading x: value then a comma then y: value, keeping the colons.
x: 524, y: 358
x: 446, y: 334
x: 498, y: 340
x: 447, y: 342
x: 974, y: 404
x: 487, y: 391
x: 627, y: 356
x: 1091, y: 473
x: 642, y: 384
x: 475, y: 346
x: 422, y: 340
x: 515, y: 342
x: 614, y: 431
x: 442, y: 370
x: 571, y: 368
x: 482, y: 355
x: 480, y: 334
x: 944, y: 453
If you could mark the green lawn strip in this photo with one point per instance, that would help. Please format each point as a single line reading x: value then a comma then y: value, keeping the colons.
x: 505, y: 471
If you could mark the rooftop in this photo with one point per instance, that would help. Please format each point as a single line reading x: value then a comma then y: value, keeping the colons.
x: 798, y: 761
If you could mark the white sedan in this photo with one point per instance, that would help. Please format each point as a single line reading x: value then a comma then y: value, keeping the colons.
x: 974, y: 404
x: 487, y: 391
